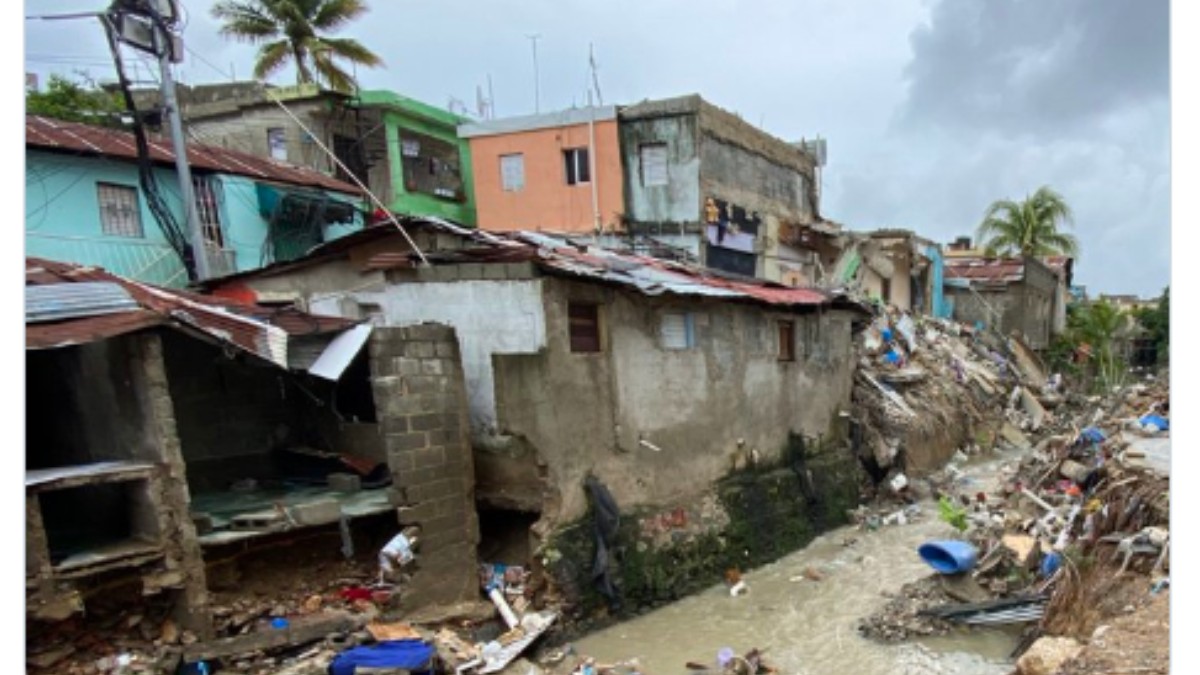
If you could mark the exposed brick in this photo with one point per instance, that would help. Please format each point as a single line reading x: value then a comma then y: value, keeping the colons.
x: 431, y: 331
x: 470, y: 271
x: 400, y: 460
x: 406, y: 365
x: 395, y: 425
x: 412, y: 478
x: 420, y: 350
x: 521, y: 270
x: 493, y: 271
x: 425, y: 422
x: 424, y: 384
x: 416, y: 514
x: 446, y: 349
x: 409, y: 441
x: 431, y: 367
x: 427, y: 457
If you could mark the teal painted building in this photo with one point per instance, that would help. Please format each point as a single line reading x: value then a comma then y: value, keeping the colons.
x: 84, y: 204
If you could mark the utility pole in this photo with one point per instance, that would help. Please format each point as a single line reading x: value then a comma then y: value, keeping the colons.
x: 186, y: 192
x: 536, y: 100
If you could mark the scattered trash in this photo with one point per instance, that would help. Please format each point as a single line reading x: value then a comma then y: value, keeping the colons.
x: 415, y: 656
x: 1154, y: 423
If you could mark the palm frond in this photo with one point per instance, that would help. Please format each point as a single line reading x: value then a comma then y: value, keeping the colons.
x: 271, y: 57
x: 352, y: 50
x: 332, y: 14
x: 244, y: 21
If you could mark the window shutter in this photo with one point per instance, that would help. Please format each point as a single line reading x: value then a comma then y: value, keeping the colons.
x: 654, y: 164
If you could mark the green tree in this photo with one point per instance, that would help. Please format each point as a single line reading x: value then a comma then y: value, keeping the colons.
x: 294, y: 30
x: 73, y: 101
x: 1102, y: 326
x: 1157, y: 322
x: 1030, y: 228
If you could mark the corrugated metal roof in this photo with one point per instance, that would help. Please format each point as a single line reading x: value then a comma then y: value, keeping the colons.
x: 999, y: 270
x: 66, y: 301
x: 261, y: 331
x: 52, y: 134
x: 553, y: 254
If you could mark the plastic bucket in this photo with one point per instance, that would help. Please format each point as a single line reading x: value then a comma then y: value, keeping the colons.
x: 949, y: 557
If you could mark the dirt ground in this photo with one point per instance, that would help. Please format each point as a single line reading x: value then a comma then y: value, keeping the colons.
x: 1138, y: 642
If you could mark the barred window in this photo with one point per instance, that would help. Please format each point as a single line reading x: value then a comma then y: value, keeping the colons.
x: 119, y: 213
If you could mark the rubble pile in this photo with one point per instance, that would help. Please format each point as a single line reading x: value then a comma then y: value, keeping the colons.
x: 1075, y: 532
x: 926, y: 387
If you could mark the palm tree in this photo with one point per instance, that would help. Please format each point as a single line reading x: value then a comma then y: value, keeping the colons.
x: 294, y: 30
x: 1029, y: 228
x: 1102, y: 326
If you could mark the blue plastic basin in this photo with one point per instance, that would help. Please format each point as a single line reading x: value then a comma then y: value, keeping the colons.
x: 949, y: 557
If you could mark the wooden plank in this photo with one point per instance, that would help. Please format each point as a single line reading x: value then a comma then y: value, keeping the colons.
x: 59, y: 478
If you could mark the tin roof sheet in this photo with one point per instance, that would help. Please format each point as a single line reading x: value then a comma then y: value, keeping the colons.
x: 52, y: 134
x: 261, y: 331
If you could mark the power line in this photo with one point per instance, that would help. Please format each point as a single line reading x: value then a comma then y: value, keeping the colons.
x: 378, y: 204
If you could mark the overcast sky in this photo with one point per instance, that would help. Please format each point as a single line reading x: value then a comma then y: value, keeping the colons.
x: 932, y: 108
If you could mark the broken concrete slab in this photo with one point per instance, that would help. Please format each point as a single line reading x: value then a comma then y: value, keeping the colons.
x: 298, y: 632
x: 1022, y: 546
x: 1014, y: 436
x: 1037, y: 414
x: 964, y: 588
x: 319, y: 512
x: 1028, y: 363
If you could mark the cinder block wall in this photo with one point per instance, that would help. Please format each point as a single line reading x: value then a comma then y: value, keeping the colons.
x: 421, y: 402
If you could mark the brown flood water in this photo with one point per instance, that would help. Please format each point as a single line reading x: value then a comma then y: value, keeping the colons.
x: 809, y: 627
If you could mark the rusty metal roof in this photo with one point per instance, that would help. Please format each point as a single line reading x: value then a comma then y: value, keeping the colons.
x: 1000, y: 270
x: 654, y: 276
x: 262, y: 331
x: 57, y: 135
x: 553, y: 255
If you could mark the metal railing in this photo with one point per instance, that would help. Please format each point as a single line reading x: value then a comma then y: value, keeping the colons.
x: 153, y: 263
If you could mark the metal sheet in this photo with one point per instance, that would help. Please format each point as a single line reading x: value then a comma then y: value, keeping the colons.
x: 338, y: 355
x: 70, y: 301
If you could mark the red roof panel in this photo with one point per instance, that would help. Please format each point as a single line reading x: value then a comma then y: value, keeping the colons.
x: 52, y: 134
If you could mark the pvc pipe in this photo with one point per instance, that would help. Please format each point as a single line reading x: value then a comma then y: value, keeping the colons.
x: 501, y: 604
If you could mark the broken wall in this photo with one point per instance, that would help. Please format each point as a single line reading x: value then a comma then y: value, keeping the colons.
x: 657, y: 424
x: 420, y: 392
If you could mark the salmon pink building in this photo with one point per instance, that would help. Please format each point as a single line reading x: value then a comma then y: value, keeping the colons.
x: 557, y: 172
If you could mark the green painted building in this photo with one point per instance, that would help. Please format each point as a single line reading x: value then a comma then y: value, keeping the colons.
x: 407, y: 152
x: 428, y: 165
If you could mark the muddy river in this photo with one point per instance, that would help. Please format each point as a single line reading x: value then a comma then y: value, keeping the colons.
x: 809, y: 627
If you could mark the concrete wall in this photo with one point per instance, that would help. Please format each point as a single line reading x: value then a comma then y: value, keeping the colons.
x: 492, y: 317
x: 62, y: 218
x: 1025, y: 306
x: 581, y: 412
x: 421, y: 396
x: 546, y: 202
x: 678, y: 202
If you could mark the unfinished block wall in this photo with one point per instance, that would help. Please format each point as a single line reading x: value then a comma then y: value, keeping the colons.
x: 421, y: 403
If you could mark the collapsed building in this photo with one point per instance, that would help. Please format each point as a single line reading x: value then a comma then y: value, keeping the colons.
x: 658, y: 379
x: 168, y: 430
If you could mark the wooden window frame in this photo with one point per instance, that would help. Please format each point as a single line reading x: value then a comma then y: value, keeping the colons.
x: 579, y: 324
x: 785, y: 332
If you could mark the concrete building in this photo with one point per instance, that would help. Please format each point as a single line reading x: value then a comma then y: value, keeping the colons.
x: 653, y: 376
x: 168, y: 432
x: 407, y: 152
x: 1026, y: 296
x: 702, y: 179
x: 85, y: 204
x: 558, y: 172
x: 893, y: 267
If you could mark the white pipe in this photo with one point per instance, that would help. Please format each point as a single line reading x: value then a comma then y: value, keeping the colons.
x: 505, y: 611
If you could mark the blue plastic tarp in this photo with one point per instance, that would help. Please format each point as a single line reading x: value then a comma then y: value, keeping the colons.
x: 412, y: 655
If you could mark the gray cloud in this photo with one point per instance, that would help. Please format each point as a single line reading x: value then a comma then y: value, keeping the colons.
x: 932, y: 108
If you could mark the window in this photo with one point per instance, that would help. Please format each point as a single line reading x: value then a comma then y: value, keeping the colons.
x: 787, y: 340
x: 119, y: 213
x: 431, y: 166
x: 584, y: 322
x: 512, y: 172
x: 277, y: 143
x: 577, y: 166
x: 653, y: 160
x: 208, y: 207
x: 677, y: 331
